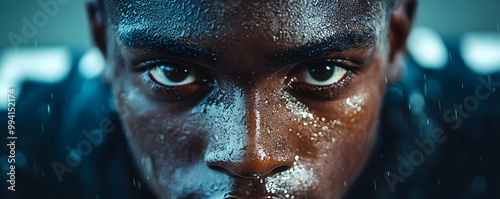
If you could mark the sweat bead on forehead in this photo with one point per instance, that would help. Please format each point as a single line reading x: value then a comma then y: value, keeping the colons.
x: 288, y: 24
x: 248, y: 99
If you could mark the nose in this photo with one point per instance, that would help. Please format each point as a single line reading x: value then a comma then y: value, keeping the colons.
x: 266, y: 150
x: 260, y: 158
x: 252, y: 165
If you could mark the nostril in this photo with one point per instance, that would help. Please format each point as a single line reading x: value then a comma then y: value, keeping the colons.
x: 218, y: 168
x: 232, y: 171
x: 280, y: 169
x: 239, y: 173
x: 250, y: 166
x: 229, y: 196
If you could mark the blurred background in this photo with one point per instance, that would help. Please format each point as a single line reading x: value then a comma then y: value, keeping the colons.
x: 69, y: 27
x: 453, y: 48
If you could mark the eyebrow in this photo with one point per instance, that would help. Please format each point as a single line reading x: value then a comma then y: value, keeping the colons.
x: 144, y: 38
x: 341, y: 41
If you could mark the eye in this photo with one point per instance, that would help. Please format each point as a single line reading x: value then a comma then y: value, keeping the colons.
x: 172, y: 75
x: 322, y: 75
x: 323, y: 80
x: 170, y: 80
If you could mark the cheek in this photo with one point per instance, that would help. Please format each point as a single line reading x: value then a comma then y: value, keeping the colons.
x: 330, y: 143
x: 151, y: 131
x: 170, y: 143
x: 333, y: 139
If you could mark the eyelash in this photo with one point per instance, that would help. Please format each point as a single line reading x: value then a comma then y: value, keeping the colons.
x: 170, y: 93
x: 329, y: 92
x: 150, y: 64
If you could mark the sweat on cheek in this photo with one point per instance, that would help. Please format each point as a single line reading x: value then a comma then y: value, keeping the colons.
x: 293, y: 182
x: 316, y: 139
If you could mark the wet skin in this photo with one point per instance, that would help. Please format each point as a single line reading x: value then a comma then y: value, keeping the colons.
x: 248, y: 99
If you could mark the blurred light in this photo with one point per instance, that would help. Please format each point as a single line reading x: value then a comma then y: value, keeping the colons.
x: 92, y: 63
x: 75, y: 156
x: 434, y: 89
x: 47, y: 65
x: 427, y: 48
x: 416, y: 101
x: 20, y: 159
x: 4, y: 164
x: 478, y: 185
x: 481, y: 52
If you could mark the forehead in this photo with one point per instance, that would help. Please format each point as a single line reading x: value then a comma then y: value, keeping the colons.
x: 283, y: 23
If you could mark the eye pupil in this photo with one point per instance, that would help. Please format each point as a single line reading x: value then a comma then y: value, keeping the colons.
x: 321, y: 73
x: 176, y: 74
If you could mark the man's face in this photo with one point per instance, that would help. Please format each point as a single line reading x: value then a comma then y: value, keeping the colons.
x: 248, y: 99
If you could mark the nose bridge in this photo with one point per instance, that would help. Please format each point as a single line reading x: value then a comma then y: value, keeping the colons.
x: 266, y: 150
x: 260, y: 133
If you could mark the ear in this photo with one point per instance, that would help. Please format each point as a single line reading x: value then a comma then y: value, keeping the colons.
x: 401, y: 22
x: 98, y: 29
x: 97, y: 26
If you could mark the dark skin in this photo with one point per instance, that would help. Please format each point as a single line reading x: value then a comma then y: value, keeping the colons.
x: 250, y: 99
